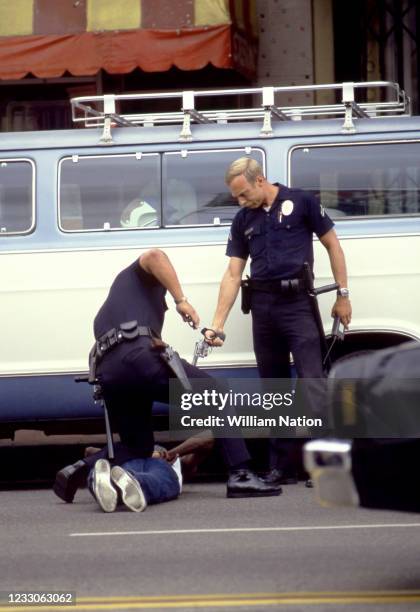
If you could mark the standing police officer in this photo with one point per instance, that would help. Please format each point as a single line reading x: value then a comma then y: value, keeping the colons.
x: 275, y: 227
x: 133, y: 373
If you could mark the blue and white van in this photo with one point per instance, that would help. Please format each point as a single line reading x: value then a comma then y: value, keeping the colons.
x: 77, y: 206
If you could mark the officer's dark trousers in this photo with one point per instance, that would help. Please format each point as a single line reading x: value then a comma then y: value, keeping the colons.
x: 284, y: 324
x: 133, y: 376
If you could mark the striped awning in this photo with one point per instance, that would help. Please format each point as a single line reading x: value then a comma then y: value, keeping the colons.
x: 50, y: 37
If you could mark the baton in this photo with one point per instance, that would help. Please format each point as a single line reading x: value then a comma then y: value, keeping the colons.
x: 337, y: 333
x: 99, y: 398
x: 313, y: 292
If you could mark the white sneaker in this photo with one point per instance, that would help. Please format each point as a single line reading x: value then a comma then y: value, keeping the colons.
x: 131, y: 492
x: 105, y: 494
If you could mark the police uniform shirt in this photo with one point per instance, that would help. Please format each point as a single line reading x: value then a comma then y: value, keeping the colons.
x: 134, y: 295
x: 280, y: 240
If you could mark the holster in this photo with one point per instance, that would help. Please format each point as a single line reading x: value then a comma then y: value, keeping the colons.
x: 246, y: 295
x: 173, y: 360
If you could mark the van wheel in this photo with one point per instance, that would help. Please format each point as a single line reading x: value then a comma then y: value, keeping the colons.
x: 355, y: 354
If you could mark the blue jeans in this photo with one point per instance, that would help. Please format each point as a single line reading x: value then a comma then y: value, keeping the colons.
x: 156, y: 477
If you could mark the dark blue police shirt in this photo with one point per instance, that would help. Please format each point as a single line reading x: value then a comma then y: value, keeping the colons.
x: 134, y: 295
x: 281, y: 240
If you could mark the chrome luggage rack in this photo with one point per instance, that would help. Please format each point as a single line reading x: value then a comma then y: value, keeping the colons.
x: 102, y: 111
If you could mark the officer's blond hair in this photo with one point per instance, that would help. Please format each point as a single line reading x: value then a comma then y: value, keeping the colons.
x: 247, y: 166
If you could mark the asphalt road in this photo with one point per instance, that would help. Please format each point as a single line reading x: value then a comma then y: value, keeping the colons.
x: 206, y: 552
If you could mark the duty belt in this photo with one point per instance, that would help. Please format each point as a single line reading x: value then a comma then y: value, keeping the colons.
x: 126, y: 332
x: 286, y: 286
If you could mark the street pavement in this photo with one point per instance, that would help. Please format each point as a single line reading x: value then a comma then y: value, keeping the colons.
x: 206, y: 552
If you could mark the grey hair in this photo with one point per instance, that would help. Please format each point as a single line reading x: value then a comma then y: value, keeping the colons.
x: 247, y: 166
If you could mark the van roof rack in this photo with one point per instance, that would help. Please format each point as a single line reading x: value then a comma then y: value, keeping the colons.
x: 94, y: 111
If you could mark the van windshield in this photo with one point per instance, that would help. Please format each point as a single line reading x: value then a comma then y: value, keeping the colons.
x: 16, y: 197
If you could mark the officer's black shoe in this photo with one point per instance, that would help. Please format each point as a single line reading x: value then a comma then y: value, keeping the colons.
x: 69, y: 479
x: 244, y: 483
x: 309, y: 484
x: 278, y: 477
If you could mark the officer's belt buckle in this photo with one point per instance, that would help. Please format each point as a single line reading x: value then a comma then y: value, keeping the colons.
x: 291, y: 285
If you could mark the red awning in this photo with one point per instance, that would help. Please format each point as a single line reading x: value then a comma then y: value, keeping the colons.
x: 86, y: 36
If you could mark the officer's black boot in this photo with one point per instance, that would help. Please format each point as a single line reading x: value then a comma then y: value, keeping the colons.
x: 244, y: 483
x: 69, y: 479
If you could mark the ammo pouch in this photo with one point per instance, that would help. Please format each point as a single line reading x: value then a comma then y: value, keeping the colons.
x: 246, y: 295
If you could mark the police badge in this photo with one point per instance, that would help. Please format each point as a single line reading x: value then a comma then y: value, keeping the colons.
x: 286, y: 209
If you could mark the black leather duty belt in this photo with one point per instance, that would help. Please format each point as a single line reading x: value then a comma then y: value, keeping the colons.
x: 286, y: 286
x: 126, y: 332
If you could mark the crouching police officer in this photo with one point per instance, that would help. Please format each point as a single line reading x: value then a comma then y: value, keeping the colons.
x: 133, y: 374
x: 275, y: 227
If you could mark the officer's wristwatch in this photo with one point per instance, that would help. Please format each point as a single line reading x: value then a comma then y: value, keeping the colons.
x: 181, y: 299
x: 343, y: 292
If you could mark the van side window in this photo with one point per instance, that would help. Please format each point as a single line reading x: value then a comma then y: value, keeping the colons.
x: 107, y: 192
x: 360, y: 180
x: 194, y: 191
x: 16, y: 196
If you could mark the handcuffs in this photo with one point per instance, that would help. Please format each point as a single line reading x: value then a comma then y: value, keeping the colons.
x: 203, y: 348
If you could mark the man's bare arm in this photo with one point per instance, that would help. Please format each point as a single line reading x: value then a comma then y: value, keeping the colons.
x: 201, y: 442
x: 228, y: 292
x: 336, y: 255
x: 157, y: 263
x: 342, y: 306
